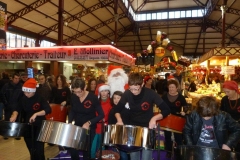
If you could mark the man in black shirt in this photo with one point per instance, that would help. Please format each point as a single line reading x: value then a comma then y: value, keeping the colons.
x: 140, y: 101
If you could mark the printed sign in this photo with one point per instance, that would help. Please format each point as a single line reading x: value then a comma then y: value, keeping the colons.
x: 228, y: 70
x: 61, y: 53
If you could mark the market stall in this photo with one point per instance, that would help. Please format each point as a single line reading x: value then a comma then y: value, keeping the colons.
x: 219, y: 64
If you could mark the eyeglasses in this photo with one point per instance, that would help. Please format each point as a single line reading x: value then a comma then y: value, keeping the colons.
x: 77, y: 92
x: 134, y: 89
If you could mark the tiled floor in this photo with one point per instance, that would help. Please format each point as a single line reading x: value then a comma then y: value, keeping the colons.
x: 12, y: 149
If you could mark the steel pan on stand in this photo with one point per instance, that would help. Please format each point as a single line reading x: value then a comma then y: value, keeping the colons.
x: 63, y: 134
x: 59, y: 113
x: 129, y: 138
x: 172, y: 123
x: 12, y: 129
x: 205, y: 153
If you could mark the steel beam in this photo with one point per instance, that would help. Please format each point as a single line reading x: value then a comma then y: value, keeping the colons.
x: 26, y: 10
x: 75, y: 17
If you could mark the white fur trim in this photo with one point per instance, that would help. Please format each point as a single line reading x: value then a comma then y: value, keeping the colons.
x: 103, y: 87
x: 25, y: 89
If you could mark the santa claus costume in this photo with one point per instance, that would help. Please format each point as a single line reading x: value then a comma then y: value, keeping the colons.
x: 117, y: 79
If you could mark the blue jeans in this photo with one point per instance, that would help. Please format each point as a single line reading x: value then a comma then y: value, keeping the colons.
x: 123, y: 155
x: 1, y: 110
x: 146, y: 155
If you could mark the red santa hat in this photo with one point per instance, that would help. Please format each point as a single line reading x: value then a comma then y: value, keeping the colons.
x: 101, y: 87
x: 146, y: 79
x: 30, y: 85
x: 171, y: 77
x: 113, y: 68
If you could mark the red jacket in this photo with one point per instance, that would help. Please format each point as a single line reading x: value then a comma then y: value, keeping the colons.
x: 106, y: 106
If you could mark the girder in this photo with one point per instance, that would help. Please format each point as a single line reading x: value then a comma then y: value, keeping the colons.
x: 210, y: 7
x: 108, y: 35
x: 26, y: 10
x: 229, y: 10
x: 74, y: 17
x: 93, y: 28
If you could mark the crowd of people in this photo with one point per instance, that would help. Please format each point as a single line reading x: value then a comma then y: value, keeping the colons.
x: 121, y: 99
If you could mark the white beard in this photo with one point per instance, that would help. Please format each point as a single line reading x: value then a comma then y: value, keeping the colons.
x: 116, y: 84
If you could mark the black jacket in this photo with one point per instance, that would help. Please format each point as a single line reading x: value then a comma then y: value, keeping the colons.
x: 10, y: 95
x: 223, y: 124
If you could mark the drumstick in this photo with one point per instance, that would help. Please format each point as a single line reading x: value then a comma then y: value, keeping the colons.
x: 182, y: 109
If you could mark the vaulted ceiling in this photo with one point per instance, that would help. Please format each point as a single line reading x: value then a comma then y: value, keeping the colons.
x: 87, y: 22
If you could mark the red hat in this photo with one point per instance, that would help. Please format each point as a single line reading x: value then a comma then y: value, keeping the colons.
x: 171, y: 77
x: 146, y: 79
x: 112, y: 67
x: 30, y: 85
x: 232, y: 85
x: 101, y: 87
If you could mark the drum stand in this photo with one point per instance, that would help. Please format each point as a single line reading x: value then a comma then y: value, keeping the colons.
x: 33, y: 148
x: 158, y: 134
x: 173, y: 145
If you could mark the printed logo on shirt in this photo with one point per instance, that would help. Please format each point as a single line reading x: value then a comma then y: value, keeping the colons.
x: 36, y: 106
x: 178, y: 103
x: 64, y: 94
x: 87, y: 104
x: 145, y: 106
x: 238, y: 108
x: 207, y: 135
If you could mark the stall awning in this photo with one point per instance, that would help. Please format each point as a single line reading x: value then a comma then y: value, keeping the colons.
x: 233, y: 52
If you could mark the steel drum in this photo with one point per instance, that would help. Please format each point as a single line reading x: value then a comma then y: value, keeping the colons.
x: 172, y: 123
x: 12, y: 129
x: 59, y: 113
x: 129, y: 138
x: 63, y: 134
x: 205, y: 153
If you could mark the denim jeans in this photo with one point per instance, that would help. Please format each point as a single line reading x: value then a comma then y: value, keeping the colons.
x: 146, y: 155
x: 1, y: 110
x: 123, y: 155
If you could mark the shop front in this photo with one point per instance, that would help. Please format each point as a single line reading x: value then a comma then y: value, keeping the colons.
x: 84, y: 58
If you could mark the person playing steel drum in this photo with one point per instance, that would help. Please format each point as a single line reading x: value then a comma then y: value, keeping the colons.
x: 33, y: 107
x: 177, y: 105
x: 140, y: 101
x: 84, y: 106
x: 208, y: 126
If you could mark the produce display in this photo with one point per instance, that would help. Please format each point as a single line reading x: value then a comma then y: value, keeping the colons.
x: 204, y: 90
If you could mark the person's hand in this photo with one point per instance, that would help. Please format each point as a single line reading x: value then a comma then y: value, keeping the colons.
x: 152, y: 124
x: 32, y: 119
x: 13, y: 118
x: 182, y: 113
x: 86, y: 125
x: 120, y: 123
x: 63, y: 103
x: 225, y: 147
